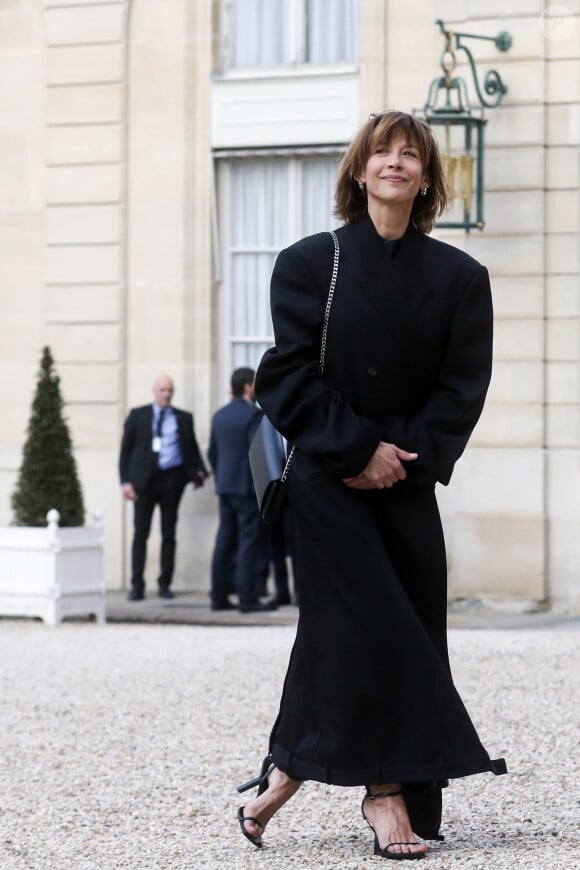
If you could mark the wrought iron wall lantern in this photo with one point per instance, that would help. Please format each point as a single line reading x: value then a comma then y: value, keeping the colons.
x: 461, y: 125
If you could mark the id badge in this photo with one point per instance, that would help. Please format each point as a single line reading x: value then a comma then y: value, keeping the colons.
x: 156, y: 446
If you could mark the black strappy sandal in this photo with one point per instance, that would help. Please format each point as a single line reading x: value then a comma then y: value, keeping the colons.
x: 255, y: 841
x: 385, y: 851
x: 262, y: 782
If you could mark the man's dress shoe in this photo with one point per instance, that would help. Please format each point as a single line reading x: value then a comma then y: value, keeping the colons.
x: 135, y: 595
x: 166, y: 593
x: 258, y: 607
x: 226, y: 605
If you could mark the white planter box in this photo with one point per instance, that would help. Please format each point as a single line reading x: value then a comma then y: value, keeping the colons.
x: 51, y: 572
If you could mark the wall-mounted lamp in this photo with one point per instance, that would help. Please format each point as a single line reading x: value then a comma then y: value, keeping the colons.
x: 462, y: 124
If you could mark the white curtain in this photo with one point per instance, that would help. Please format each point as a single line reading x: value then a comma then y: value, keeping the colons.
x: 259, y: 32
x: 260, y: 226
x: 318, y: 188
x: 333, y: 31
x: 259, y: 230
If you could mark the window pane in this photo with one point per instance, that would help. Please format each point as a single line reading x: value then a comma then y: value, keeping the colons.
x: 332, y: 36
x: 259, y: 229
x: 265, y: 215
x: 259, y: 32
x: 318, y: 189
x: 259, y: 191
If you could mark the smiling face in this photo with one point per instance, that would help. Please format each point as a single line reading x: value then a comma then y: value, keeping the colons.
x: 394, y: 174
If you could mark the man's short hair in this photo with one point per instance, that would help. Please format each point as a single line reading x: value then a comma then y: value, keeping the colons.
x: 240, y: 378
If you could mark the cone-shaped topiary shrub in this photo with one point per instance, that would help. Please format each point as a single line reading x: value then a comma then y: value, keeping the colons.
x: 48, y: 474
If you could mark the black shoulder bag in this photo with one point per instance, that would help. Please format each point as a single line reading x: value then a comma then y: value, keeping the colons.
x: 267, y: 456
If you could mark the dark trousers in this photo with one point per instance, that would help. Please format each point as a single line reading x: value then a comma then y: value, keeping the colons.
x: 164, y: 489
x: 237, y: 544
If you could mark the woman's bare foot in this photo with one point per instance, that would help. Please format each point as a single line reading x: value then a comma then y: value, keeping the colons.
x: 389, y: 819
x: 280, y: 789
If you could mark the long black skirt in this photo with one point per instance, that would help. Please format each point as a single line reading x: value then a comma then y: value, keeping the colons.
x: 368, y: 697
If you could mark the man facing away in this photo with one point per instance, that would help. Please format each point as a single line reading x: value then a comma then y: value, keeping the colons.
x: 159, y: 455
x: 239, y: 538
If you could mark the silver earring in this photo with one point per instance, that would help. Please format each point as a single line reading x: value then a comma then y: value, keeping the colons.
x: 423, y: 191
x: 361, y: 184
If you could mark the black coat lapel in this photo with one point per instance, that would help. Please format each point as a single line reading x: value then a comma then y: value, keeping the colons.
x: 407, y: 277
x: 379, y: 273
x: 363, y: 260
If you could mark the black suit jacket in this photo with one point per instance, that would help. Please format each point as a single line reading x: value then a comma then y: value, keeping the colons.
x: 232, y: 430
x: 408, y: 357
x: 136, y: 460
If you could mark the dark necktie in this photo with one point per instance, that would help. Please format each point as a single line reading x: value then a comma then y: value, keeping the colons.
x: 157, y: 453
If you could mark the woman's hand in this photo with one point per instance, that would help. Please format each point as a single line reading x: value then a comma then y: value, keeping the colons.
x: 384, y: 468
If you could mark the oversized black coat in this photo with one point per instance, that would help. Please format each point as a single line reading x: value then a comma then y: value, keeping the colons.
x: 368, y: 697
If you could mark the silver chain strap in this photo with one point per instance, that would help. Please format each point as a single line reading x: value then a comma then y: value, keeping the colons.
x: 324, y: 333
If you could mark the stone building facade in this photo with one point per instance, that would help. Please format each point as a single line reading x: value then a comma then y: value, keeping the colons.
x: 156, y: 154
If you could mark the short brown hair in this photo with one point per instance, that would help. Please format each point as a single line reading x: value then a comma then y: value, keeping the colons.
x: 380, y: 129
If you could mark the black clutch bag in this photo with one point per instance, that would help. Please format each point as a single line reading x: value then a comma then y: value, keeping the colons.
x: 268, y: 461
x: 269, y: 469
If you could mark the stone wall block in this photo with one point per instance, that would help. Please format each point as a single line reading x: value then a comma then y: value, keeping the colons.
x: 518, y: 340
x: 563, y: 499
x: 83, y: 104
x: 524, y: 79
x: 522, y: 256
x: 563, y: 382
x: 83, y: 223
x: 562, y: 339
x: 517, y: 296
x: 563, y: 298
x: 85, y: 303
x: 70, y: 264
x: 516, y: 125
x: 19, y: 235
x: 565, y: 41
x: 19, y: 31
x: 562, y: 167
x: 563, y: 81
x: 98, y: 143
x: 563, y: 210
x: 522, y: 211
x: 562, y: 426
x: 84, y: 343
x: 517, y: 382
x: 495, y: 556
x: 494, y: 523
x: 84, y: 24
x: 76, y: 64
x: 92, y: 426
x: 509, y: 425
x: 506, y: 171
x: 83, y: 184
x: 563, y: 124
x: 562, y: 253
x: 482, y: 482
x: 22, y: 94
x: 100, y: 381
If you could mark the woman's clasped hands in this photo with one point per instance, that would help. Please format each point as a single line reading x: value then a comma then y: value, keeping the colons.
x: 384, y: 469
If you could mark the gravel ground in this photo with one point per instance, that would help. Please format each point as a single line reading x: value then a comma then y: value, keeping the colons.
x: 121, y: 747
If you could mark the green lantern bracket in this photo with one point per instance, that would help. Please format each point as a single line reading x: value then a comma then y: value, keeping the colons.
x: 462, y: 124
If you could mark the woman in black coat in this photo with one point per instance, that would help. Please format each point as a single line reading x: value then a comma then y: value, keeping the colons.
x: 368, y: 698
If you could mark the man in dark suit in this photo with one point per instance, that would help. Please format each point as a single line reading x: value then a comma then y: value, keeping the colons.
x: 159, y: 455
x: 239, y: 539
